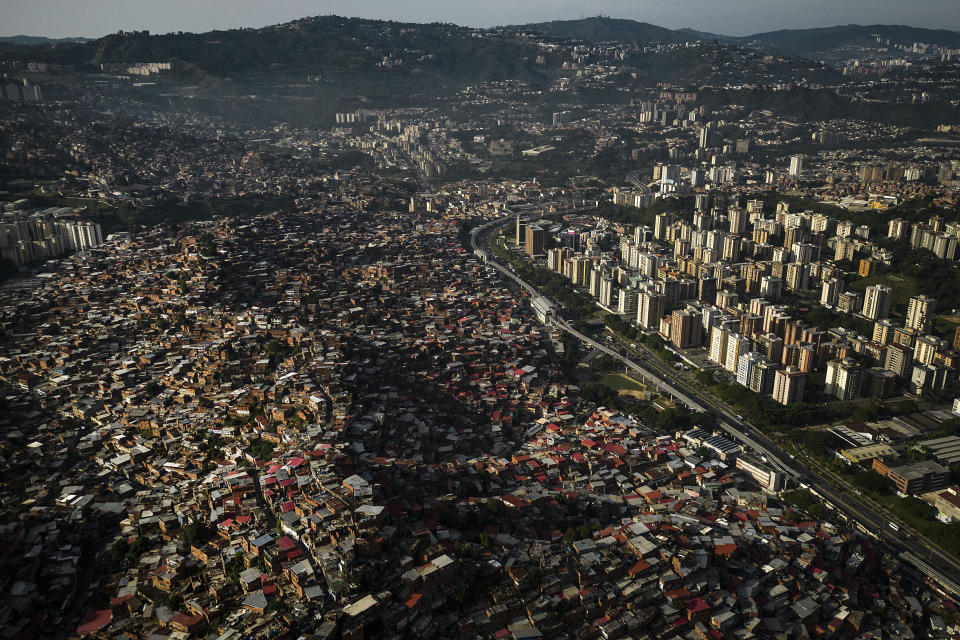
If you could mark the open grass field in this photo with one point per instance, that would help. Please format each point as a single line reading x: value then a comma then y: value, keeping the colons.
x: 620, y: 382
x: 947, y: 325
x: 903, y: 286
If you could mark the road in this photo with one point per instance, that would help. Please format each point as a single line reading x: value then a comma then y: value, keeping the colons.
x: 939, y: 566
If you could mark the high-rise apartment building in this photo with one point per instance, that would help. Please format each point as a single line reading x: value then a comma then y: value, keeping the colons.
x: 627, y: 301
x: 920, y: 312
x: 660, y: 224
x: 876, y: 302
x: 899, y: 359
x: 85, y: 235
x: 883, y: 331
x: 788, y: 385
x: 762, y: 377
x: 830, y: 292
x: 796, y: 166
x: 926, y: 348
x: 596, y: 276
x: 607, y: 289
x: 738, y: 220
x: 797, y: 276
x: 718, y: 345
x: 650, y: 308
x: 897, y: 229
x: 520, y: 231
x: 737, y: 345
x: 534, y: 241
x: 580, y: 269
x: 648, y: 264
x: 844, y: 378
x: 685, y: 329
x: 745, y: 366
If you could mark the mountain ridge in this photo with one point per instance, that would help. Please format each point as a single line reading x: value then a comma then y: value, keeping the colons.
x: 40, y: 40
x: 331, y: 44
x: 802, y: 42
x: 321, y: 44
x: 818, y: 39
x: 596, y: 29
x: 603, y: 29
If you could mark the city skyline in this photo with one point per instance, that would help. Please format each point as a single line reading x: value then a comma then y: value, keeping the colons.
x: 736, y: 18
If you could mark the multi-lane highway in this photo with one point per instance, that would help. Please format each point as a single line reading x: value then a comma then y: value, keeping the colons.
x: 938, y: 566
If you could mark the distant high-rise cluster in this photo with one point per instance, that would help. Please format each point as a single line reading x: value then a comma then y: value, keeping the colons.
x: 934, y: 235
x: 354, y: 117
x: 796, y: 166
x: 27, y: 237
x: 136, y: 68
x: 20, y: 92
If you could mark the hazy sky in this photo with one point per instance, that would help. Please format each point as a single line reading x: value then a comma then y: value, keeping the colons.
x: 62, y: 18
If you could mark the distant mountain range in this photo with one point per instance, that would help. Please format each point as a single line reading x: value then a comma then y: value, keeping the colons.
x: 325, y: 45
x: 807, y: 42
x: 354, y: 47
x: 798, y: 42
x: 34, y: 40
x: 259, y: 75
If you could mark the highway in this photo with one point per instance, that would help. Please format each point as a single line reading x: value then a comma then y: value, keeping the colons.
x: 940, y: 567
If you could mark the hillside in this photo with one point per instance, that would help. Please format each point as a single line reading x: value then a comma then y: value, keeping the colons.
x: 348, y: 45
x: 319, y: 45
x: 812, y: 42
x: 600, y: 29
x: 335, y: 46
x: 800, y: 42
x: 809, y: 105
x: 38, y: 40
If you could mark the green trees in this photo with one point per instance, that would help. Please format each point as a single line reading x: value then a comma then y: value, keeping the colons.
x: 192, y: 534
x: 235, y: 566
x: 598, y: 393
x: 119, y: 550
x: 870, y: 481
x: 7, y: 269
x: 496, y: 506
x: 573, y: 534
x: 261, y: 449
x: 206, y: 245
x: 551, y: 284
x: 764, y: 412
x: 806, y: 501
x: 825, y: 319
